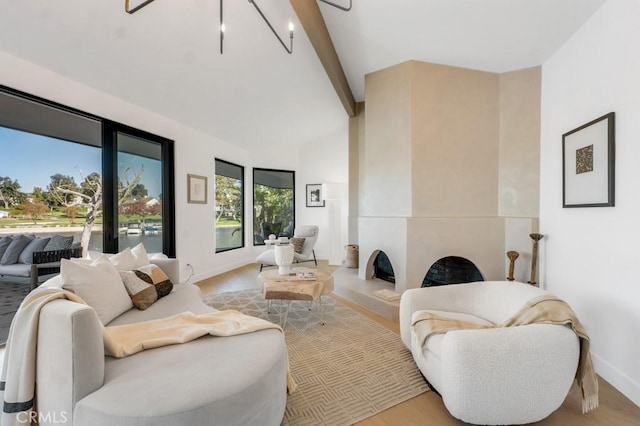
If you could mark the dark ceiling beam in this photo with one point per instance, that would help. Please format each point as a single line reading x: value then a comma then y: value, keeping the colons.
x: 313, y: 23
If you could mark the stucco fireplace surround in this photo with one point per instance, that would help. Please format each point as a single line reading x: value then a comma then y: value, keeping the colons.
x: 444, y: 162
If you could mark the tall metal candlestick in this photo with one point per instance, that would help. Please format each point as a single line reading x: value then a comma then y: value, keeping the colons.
x: 534, y: 257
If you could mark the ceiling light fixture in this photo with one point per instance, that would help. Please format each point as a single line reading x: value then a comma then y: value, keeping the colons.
x: 288, y: 49
x: 346, y: 9
x: 222, y: 28
x: 135, y: 9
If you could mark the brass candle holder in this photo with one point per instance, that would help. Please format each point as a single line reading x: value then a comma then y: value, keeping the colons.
x: 534, y: 257
x: 512, y: 255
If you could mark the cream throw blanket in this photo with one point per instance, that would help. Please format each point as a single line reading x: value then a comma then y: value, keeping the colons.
x: 545, y: 309
x: 128, y: 339
x: 17, y: 381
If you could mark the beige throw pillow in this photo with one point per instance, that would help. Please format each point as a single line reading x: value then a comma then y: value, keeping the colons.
x: 154, y: 275
x: 142, y: 293
x: 298, y: 243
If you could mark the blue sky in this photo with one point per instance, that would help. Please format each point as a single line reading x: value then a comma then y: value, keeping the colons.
x: 33, y: 159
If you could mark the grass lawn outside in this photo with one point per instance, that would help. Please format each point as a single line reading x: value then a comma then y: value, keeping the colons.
x: 225, y: 221
x: 55, y: 220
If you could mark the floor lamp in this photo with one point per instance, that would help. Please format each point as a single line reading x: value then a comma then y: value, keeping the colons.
x: 334, y: 194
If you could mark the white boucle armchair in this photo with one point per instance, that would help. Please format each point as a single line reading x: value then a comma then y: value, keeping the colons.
x: 506, y: 375
x: 307, y: 254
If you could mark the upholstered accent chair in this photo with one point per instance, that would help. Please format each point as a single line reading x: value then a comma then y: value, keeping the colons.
x: 306, y: 254
x: 493, y: 376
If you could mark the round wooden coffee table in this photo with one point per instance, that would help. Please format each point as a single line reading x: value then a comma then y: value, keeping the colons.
x: 296, y: 287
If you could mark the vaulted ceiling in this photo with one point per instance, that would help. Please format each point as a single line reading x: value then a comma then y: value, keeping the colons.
x: 166, y: 56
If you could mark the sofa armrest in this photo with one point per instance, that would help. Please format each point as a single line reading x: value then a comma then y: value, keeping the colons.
x: 70, y: 356
x: 171, y: 267
x: 507, y: 368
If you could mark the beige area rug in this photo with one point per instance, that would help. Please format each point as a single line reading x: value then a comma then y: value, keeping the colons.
x: 346, y: 370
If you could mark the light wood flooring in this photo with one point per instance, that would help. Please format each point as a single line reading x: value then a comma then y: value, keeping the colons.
x: 427, y: 409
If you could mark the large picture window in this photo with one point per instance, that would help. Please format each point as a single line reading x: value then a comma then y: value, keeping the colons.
x: 273, y: 204
x: 47, y: 184
x: 229, y: 206
x: 63, y: 171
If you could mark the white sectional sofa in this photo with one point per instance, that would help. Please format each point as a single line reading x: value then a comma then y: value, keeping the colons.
x: 508, y: 375
x: 239, y: 380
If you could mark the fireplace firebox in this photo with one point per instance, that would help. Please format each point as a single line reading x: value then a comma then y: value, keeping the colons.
x: 382, y: 268
x: 451, y: 270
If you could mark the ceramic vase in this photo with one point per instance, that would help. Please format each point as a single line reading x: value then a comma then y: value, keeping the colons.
x: 284, y: 258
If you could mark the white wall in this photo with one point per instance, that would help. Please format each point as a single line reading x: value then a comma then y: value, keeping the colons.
x: 590, y: 255
x: 194, y: 153
x: 325, y: 160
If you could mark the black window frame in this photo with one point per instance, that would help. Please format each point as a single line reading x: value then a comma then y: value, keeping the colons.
x: 242, y: 192
x: 253, y: 210
x: 110, y: 130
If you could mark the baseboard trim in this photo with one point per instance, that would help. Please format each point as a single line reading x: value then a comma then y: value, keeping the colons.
x: 221, y: 270
x: 617, y: 379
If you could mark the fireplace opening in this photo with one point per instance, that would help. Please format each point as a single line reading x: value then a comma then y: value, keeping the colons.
x: 382, y: 268
x: 452, y: 270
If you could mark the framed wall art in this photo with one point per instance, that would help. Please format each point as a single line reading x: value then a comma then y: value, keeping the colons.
x: 196, y: 189
x: 314, y: 195
x: 588, y: 164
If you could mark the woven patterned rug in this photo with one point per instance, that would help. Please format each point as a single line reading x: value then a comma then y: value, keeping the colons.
x: 346, y: 370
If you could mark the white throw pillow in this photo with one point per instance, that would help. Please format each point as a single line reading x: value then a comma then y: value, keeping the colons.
x: 93, y: 255
x: 140, y: 254
x: 123, y: 261
x: 99, y: 285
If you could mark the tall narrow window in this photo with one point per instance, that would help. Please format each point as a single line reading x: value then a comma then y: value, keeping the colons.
x: 229, y: 206
x: 273, y: 204
x: 139, y: 188
x: 139, y: 193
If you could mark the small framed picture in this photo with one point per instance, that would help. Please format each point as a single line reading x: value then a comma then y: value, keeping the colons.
x: 588, y: 164
x: 196, y: 189
x: 314, y: 195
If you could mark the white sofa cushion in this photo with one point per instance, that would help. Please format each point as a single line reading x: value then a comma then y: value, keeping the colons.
x: 98, y: 284
x: 123, y: 261
x: 140, y: 255
x: 183, y: 298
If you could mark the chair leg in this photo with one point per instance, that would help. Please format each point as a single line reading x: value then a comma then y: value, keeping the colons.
x: 261, y: 266
x: 314, y: 257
